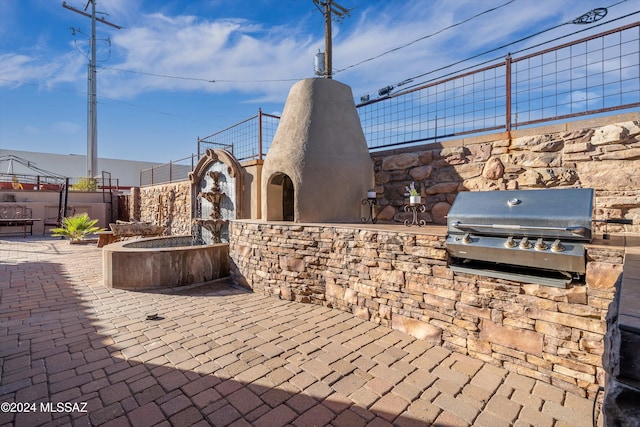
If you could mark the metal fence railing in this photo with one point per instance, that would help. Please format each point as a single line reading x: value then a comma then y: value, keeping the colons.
x: 596, y: 74
x: 593, y: 75
x: 11, y: 181
x: 177, y: 170
x: 247, y: 140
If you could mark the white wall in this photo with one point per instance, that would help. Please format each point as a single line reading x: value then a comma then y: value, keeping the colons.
x: 44, y: 207
x: 75, y: 165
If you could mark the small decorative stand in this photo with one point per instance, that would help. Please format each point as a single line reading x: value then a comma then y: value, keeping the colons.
x: 371, y: 202
x: 414, y: 208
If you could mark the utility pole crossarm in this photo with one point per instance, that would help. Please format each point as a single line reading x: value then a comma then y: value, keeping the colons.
x: 102, y: 20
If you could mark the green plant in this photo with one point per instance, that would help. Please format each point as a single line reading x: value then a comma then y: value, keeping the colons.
x: 85, y: 184
x: 77, y: 227
x: 412, y: 189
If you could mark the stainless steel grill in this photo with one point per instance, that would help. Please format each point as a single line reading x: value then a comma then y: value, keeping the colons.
x: 535, y: 236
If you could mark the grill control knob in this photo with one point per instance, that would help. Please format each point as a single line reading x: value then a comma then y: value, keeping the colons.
x: 466, y: 239
x: 510, y: 243
x: 557, y: 246
x: 525, y: 244
x: 541, y: 245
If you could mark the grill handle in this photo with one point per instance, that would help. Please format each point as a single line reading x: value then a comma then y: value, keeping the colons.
x: 615, y: 221
x: 580, y: 231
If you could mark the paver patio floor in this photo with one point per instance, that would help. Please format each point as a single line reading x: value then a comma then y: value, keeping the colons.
x: 222, y: 355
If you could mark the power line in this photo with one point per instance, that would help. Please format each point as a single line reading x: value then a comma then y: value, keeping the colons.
x: 297, y: 79
x: 102, y: 98
x: 18, y: 82
x: 577, y: 32
x: 509, y: 44
x: 326, y: 70
x: 162, y: 75
x: 425, y: 37
x: 328, y: 4
x: 372, y: 58
x: 197, y: 79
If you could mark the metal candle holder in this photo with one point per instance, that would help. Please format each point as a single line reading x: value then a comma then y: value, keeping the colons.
x: 414, y: 209
x: 370, y: 202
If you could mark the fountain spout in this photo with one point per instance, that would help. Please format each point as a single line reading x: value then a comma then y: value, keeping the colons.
x: 215, y: 198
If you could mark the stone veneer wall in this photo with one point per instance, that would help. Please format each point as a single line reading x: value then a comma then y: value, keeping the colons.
x: 588, y: 154
x: 399, y: 277
x: 168, y: 205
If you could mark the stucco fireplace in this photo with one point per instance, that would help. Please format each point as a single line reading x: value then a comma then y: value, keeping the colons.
x: 318, y: 168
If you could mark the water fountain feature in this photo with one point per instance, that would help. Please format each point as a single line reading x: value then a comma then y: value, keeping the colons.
x: 217, y: 185
x: 216, y: 223
x: 174, y: 261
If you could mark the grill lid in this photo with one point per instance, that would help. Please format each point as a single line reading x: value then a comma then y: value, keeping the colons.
x: 549, y: 213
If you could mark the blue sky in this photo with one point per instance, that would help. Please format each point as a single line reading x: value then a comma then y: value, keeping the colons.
x: 253, y: 50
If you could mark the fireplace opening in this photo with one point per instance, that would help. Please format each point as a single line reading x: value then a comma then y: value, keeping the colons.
x: 280, y: 198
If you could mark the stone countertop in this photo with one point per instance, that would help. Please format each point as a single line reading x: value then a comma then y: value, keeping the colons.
x: 429, y: 229
x: 630, y: 242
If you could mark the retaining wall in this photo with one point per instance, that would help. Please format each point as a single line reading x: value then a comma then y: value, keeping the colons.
x: 167, y: 205
x: 602, y: 153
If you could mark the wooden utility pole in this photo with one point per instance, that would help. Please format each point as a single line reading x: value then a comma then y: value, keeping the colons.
x: 327, y: 40
x: 92, y: 90
x: 328, y: 9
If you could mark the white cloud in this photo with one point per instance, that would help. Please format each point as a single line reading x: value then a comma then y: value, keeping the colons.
x: 67, y: 128
x: 248, y: 57
x: 31, y: 130
x: 230, y: 52
x: 18, y: 68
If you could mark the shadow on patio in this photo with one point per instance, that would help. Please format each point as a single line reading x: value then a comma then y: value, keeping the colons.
x: 213, y: 355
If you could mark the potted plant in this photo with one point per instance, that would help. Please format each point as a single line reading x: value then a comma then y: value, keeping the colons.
x: 414, y: 196
x: 85, y: 184
x: 77, y: 227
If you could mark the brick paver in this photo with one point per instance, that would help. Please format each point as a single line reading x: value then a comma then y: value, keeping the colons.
x: 221, y: 355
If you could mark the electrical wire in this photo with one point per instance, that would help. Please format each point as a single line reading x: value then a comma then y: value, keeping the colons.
x: 499, y: 48
x: 384, y: 53
x: 507, y: 45
x: 199, y: 79
x: 425, y: 37
x: 343, y: 69
x: 102, y: 98
x: 158, y: 75
x: 576, y: 32
x: 387, y: 52
x: 372, y: 58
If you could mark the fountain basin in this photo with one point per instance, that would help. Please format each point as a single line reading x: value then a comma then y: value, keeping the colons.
x: 163, y: 262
